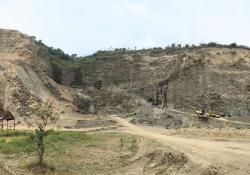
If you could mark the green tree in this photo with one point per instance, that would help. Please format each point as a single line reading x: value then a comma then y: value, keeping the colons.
x: 173, y: 46
x: 233, y: 45
x: 41, y: 117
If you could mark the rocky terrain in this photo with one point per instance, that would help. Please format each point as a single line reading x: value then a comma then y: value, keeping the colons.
x: 150, y: 81
x: 25, y: 73
x: 217, y: 78
x: 107, y: 100
x: 146, y: 83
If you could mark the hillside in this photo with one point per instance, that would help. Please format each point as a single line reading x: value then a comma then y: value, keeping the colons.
x: 106, y: 101
x: 146, y: 81
x: 150, y: 82
x: 25, y: 73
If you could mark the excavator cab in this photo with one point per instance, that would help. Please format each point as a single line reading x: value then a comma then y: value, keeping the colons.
x: 199, y: 112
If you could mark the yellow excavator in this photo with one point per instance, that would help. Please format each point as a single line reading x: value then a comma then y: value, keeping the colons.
x: 200, y: 113
x: 212, y: 115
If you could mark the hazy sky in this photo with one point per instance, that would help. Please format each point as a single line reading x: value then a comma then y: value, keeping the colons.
x: 85, y: 26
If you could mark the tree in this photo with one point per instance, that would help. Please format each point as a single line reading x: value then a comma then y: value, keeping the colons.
x: 173, y: 46
x: 233, y: 45
x: 212, y: 44
x: 187, y: 46
x: 41, y: 116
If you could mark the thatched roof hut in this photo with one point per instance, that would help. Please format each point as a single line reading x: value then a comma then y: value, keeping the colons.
x: 6, y: 115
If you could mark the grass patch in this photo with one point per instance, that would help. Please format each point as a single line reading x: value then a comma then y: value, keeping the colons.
x: 16, y: 142
x: 93, y: 153
x: 11, y: 133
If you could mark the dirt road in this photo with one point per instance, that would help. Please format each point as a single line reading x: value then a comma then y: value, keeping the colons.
x: 221, y: 119
x: 231, y: 156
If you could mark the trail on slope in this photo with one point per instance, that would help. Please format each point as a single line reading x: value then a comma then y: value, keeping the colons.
x: 232, y: 156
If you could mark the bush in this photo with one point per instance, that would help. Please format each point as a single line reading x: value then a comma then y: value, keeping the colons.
x: 58, y: 53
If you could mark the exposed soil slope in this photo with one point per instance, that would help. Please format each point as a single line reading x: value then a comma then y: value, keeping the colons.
x: 25, y: 73
x: 188, y: 79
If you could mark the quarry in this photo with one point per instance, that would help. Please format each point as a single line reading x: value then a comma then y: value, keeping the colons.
x: 174, y: 110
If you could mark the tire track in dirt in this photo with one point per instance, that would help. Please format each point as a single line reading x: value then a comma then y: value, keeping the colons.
x: 232, y: 156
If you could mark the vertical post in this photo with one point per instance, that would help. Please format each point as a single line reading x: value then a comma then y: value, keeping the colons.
x: 14, y: 124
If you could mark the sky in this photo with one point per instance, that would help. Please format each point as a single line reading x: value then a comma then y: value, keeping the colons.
x: 85, y: 26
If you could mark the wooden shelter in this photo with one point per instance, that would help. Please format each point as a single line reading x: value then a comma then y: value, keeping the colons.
x: 7, y: 116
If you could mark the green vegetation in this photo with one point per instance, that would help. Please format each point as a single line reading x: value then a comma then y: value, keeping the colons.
x: 94, y: 153
x: 59, y: 54
x: 72, y: 63
x: 16, y: 143
x: 20, y: 142
x: 42, y: 115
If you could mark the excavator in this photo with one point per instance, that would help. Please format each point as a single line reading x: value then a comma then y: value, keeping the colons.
x: 201, y: 114
x: 212, y: 115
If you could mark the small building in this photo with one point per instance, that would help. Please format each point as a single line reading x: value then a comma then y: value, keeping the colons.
x: 5, y: 119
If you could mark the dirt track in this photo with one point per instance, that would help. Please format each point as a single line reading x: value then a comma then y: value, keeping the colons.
x: 221, y: 119
x: 231, y: 156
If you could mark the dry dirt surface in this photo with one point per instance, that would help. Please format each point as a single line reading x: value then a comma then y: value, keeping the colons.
x: 226, y: 157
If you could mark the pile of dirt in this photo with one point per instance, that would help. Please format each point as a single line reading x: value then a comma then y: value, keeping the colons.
x: 164, y: 162
x: 171, y: 162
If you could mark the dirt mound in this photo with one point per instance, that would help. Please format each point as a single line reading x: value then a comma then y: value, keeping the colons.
x: 211, y: 170
x: 166, y: 161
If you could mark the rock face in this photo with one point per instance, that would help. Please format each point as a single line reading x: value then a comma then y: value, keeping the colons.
x: 144, y: 81
x: 25, y: 73
x: 216, y: 79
